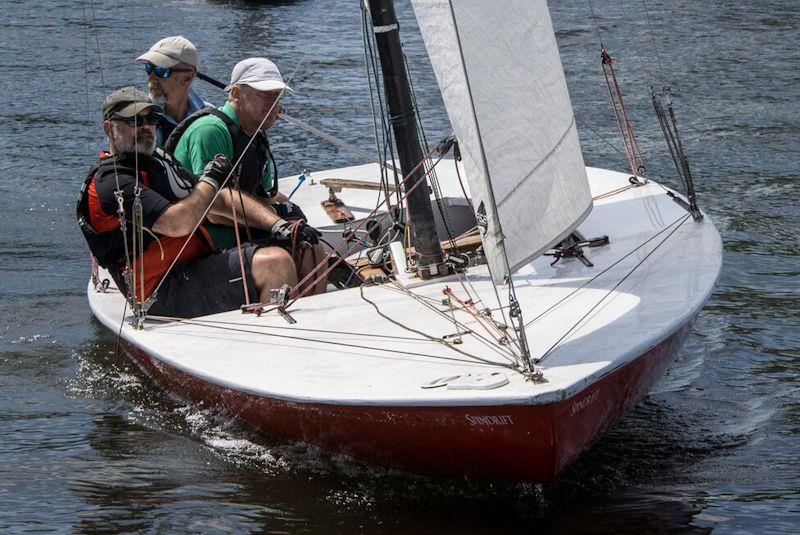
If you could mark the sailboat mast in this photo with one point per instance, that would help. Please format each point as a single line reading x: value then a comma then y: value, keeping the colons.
x: 402, y: 116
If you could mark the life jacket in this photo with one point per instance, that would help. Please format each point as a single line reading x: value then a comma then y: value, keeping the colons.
x: 106, y: 241
x: 255, y: 160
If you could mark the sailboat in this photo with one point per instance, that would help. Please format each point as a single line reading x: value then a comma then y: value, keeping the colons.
x: 559, y: 297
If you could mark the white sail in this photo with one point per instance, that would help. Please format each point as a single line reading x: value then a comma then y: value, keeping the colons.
x: 499, y: 70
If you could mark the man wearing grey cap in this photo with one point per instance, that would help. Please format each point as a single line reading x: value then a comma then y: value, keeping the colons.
x: 171, y: 66
x: 172, y: 202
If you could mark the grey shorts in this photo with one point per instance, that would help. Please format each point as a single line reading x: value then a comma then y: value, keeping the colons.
x: 209, y: 285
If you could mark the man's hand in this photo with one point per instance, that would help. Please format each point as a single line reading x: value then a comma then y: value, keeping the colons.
x: 288, y: 210
x: 282, y: 230
x: 216, y: 171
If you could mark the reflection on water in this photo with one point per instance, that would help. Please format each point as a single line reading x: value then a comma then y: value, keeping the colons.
x: 90, y: 444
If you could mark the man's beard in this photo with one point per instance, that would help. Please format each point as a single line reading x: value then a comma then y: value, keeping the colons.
x: 157, y: 95
x: 143, y: 144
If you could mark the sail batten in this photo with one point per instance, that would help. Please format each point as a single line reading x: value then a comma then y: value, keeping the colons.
x: 498, y: 67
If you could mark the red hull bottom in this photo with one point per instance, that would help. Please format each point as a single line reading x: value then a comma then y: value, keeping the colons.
x: 514, y: 442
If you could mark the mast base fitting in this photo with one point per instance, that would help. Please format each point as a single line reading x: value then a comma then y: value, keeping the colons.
x: 431, y: 271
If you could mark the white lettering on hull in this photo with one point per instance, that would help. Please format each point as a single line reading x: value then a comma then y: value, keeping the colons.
x: 489, y: 420
x: 584, y: 402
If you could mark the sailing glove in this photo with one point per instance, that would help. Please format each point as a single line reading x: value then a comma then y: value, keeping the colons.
x: 282, y: 230
x: 216, y: 171
x: 288, y: 210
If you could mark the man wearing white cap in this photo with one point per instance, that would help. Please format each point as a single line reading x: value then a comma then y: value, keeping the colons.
x: 171, y: 66
x: 255, y: 88
x: 254, y: 91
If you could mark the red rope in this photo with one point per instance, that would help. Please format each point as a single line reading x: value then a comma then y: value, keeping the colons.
x: 618, y: 105
x: 359, y: 226
x: 469, y: 308
x: 613, y: 192
x: 239, y: 249
x: 461, y: 183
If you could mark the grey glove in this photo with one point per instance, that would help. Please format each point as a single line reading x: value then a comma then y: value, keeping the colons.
x: 282, y: 230
x: 216, y: 171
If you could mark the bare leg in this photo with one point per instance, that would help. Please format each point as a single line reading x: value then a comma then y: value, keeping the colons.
x: 272, y: 268
x: 311, y: 258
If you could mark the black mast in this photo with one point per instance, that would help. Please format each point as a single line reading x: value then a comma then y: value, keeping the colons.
x: 402, y: 116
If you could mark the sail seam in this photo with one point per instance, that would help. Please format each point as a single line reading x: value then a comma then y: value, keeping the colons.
x: 538, y: 165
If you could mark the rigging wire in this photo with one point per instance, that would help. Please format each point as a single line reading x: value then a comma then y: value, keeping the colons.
x: 431, y: 304
x: 123, y: 222
x: 433, y: 178
x: 429, y: 337
x: 284, y: 328
x: 653, y: 37
x: 204, y: 323
x: 600, y: 274
x: 381, y: 154
x: 358, y: 227
x: 372, y: 68
x: 611, y: 291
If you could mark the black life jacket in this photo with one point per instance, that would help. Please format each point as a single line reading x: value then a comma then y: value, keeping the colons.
x: 108, y: 247
x: 252, y: 166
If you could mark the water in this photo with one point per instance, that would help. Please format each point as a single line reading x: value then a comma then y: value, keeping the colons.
x: 90, y: 445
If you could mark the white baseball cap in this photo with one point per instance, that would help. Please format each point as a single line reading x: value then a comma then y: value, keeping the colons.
x: 170, y: 51
x: 259, y: 73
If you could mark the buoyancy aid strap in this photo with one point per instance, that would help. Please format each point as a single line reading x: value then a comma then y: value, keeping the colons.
x: 172, y: 141
x: 239, y: 140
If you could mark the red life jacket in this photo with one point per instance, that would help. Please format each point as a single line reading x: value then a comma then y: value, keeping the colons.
x: 104, y: 236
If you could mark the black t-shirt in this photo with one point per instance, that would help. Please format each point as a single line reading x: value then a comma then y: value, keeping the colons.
x: 163, y: 182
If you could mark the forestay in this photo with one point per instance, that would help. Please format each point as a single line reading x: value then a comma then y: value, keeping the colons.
x: 498, y: 67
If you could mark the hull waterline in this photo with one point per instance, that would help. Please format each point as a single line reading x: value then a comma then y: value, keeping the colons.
x: 533, y: 443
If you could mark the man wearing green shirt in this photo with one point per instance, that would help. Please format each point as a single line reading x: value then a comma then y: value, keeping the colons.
x: 254, y: 91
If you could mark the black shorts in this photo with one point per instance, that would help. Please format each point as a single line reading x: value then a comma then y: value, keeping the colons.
x: 209, y: 285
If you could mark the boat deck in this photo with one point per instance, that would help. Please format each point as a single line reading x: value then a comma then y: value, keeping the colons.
x: 653, y: 277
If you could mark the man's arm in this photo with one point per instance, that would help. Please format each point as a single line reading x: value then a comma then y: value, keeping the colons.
x: 258, y: 215
x: 181, y: 218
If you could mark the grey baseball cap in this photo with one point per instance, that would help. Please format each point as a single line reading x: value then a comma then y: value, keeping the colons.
x: 170, y: 51
x: 126, y: 102
x: 259, y: 73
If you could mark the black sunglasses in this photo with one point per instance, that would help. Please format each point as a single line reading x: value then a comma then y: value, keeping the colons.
x: 161, y: 72
x: 138, y: 120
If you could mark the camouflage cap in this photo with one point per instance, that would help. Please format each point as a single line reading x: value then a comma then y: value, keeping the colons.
x: 127, y: 102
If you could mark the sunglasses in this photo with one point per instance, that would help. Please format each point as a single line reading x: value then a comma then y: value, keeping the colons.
x: 139, y: 120
x: 161, y: 72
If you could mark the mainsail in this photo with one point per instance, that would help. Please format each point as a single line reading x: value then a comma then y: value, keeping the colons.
x: 498, y: 67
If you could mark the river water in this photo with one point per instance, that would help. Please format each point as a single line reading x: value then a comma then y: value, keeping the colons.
x: 89, y: 444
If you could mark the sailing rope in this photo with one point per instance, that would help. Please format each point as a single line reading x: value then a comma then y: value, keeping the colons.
x: 469, y: 307
x: 632, y: 151
x: 360, y: 240
x: 502, y: 350
x: 239, y: 245
x: 429, y: 337
x: 666, y: 119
